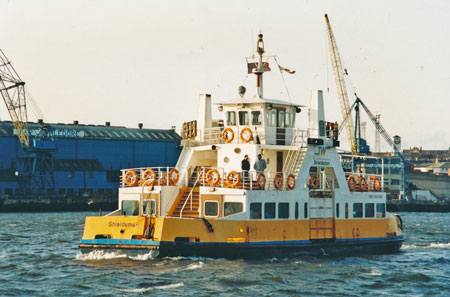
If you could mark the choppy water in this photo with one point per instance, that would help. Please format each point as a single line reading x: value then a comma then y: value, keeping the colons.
x: 39, y: 257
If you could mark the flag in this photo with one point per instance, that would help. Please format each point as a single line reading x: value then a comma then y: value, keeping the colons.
x: 287, y: 70
x: 253, y: 65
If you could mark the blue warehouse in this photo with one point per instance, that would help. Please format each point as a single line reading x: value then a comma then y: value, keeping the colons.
x: 79, y: 160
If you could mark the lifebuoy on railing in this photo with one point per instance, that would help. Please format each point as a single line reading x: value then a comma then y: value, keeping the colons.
x: 376, y: 184
x: 131, y: 178
x: 290, y: 181
x: 149, y: 174
x: 313, y: 181
x: 233, y: 178
x: 363, y: 184
x: 351, y: 182
x: 261, y: 180
x: 212, y: 177
x: 173, y: 176
x: 246, y: 135
x: 227, y: 135
x: 278, y: 180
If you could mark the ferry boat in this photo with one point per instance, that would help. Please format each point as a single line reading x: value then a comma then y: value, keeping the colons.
x: 298, y: 201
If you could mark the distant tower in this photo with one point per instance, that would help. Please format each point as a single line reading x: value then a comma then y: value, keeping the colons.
x: 377, y: 133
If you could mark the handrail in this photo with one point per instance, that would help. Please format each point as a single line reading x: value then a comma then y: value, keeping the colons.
x: 189, y: 197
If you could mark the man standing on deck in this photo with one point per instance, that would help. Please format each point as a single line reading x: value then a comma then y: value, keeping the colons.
x: 260, y: 165
x: 245, y: 166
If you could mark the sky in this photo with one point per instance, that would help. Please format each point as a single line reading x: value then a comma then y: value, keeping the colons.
x: 130, y: 62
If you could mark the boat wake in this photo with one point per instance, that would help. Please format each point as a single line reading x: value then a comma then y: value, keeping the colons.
x: 430, y: 246
x: 98, y: 255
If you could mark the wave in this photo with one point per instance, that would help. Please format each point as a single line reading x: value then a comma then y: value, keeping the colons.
x: 194, y: 266
x: 99, y: 255
x: 143, y: 290
x: 145, y: 257
x: 432, y: 245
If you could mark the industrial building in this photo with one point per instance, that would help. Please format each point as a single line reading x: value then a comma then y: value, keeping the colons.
x: 79, y: 160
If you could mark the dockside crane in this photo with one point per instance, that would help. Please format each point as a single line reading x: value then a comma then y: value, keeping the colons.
x: 340, y: 85
x: 36, y: 164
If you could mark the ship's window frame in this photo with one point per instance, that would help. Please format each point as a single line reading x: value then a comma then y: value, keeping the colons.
x: 243, y: 118
x: 283, y: 211
x: 207, y: 209
x: 369, y: 210
x: 358, y: 210
x: 269, y: 212
x: 152, y: 203
x: 256, y: 210
x: 305, y: 210
x: 281, y: 119
x: 273, y: 118
x: 134, y: 208
x: 288, y: 119
x: 296, y: 212
x: 228, y: 205
x: 346, y: 210
x: 380, y: 210
x: 337, y: 210
x: 256, y: 118
x: 231, y: 118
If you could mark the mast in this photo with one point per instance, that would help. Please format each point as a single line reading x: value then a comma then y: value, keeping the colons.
x: 260, y: 70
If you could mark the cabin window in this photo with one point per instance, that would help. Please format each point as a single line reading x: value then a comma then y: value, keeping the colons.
x: 231, y: 118
x: 283, y: 210
x: 243, y: 118
x: 149, y: 207
x: 281, y: 118
x: 256, y: 118
x: 296, y: 210
x: 357, y: 210
x: 381, y: 210
x: 305, y: 210
x: 337, y: 210
x: 273, y: 118
x: 230, y: 208
x: 289, y: 119
x: 255, y: 210
x: 211, y: 208
x: 346, y: 210
x: 269, y: 210
x: 130, y: 208
x: 369, y: 210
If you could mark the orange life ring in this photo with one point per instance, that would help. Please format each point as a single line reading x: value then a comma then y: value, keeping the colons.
x: 278, y: 180
x: 212, y: 177
x: 194, y: 128
x: 131, y: 178
x: 233, y: 178
x: 376, y: 184
x: 225, y: 133
x: 189, y: 130
x: 313, y: 181
x: 185, y: 132
x: 173, y: 176
x: 351, y: 182
x: 261, y: 180
x: 290, y: 181
x: 249, y: 133
x: 363, y: 184
x: 148, y: 174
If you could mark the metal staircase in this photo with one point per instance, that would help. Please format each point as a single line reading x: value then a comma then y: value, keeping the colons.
x: 188, y: 204
x: 295, y: 156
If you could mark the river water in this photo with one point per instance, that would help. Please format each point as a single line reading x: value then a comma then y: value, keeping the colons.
x: 39, y: 257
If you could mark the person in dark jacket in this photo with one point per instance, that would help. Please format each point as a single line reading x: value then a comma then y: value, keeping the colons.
x: 245, y: 166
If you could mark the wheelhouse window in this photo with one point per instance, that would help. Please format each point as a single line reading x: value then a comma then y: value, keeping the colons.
x: 130, y: 208
x: 381, y: 210
x: 243, y: 118
x: 231, y: 118
x: 211, y: 208
x: 357, y: 210
x: 273, y: 118
x: 149, y: 207
x: 281, y: 118
x: 256, y: 118
x: 369, y: 210
x: 289, y: 119
x: 255, y: 210
x: 230, y: 208
x: 269, y: 210
x: 283, y: 210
